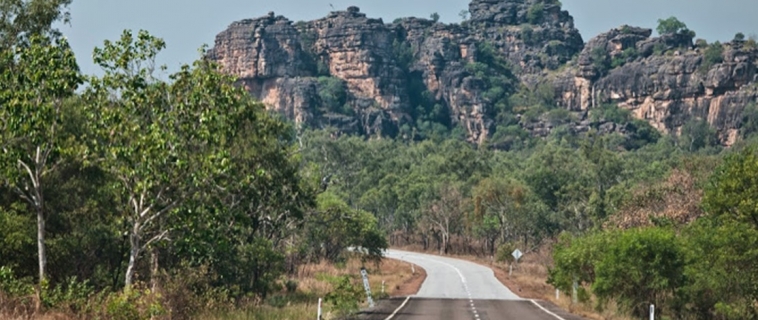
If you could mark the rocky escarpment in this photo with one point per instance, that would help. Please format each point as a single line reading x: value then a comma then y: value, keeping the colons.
x: 664, y: 80
x: 362, y: 75
x: 392, y: 72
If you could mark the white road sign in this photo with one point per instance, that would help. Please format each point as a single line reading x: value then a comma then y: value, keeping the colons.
x: 517, y: 254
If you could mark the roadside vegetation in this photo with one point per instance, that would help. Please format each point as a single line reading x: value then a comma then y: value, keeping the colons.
x: 127, y: 196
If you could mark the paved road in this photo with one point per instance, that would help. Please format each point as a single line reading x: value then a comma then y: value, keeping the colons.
x: 457, y: 279
x: 461, y: 290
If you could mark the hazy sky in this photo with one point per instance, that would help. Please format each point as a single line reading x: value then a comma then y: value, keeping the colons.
x: 188, y: 24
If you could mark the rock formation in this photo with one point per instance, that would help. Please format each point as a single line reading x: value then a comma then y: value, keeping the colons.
x: 362, y: 75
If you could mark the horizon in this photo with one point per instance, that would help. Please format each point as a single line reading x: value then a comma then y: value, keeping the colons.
x: 188, y: 25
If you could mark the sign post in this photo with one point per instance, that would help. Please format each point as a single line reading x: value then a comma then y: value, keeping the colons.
x: 517, y: 255
x: 364, y: 274
x: 318, y: 315
x: 652, y: 312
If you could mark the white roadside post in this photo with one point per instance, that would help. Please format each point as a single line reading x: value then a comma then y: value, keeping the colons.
x: 364, y: 274
x: 318, y: 315
x: 517, y: 255
x: 652, y: 312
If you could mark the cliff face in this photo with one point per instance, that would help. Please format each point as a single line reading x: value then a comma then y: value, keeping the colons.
x: 284, y: 63
x: 362, y: 75
x: 665, y: 80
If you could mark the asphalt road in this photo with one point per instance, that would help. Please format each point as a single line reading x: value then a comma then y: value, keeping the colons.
x: 452, y: 278
x: 460, y: 290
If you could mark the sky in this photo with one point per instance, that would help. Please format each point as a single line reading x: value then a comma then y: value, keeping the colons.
x: 186, y: 25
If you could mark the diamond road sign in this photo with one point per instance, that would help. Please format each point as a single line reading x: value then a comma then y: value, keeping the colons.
x: 517, y: 254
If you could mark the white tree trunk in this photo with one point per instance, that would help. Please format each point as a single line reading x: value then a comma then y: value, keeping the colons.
x: 134, y: 244
x: 41, y: 244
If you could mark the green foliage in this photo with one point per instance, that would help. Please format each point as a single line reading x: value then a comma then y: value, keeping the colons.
x: 610, y: 113
x: 659, y: 49
x: 697, y: 134
x: 557, y: 117
x: 639, y: 134
x: 712, y: 55
x: 600, y: 60
x: 576, y: 259
x: 133, y: 305
x: 336, y: 227
x: 13, y: 286
x: 527, y: 34
x: 733, y: 188
x: 639, y: 268
x: 333, y: 94
x: 670, y: 25
x: 23, y: 19
x: 701, y: 43
x: 435, y: 17
x: 629, y: 54
x: 36, y: 79
x: 749, y: 124
x: 721, y: 269
x: 463, y: 14
x: 346, y: 296
x: 535, y: 13
x: 739, y: 36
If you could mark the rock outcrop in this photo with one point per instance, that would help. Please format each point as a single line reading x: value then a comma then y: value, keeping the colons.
x: 280, y: 62
x: 664, y: 80
x: 362, y: 75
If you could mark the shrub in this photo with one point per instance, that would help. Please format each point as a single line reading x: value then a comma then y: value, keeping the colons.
x: 670, y: 25
x: 535, y: 13
x: 712, y: 55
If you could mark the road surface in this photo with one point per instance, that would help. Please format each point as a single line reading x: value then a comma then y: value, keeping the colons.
x: 461, y: 290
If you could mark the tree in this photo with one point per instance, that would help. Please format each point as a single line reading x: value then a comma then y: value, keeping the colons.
x: 35, y: 81
x: 639, y: 268
x: 536, y: 13
x: 463, y: 14
x: 161, y: 142
x: 435, y: 17
x: 733, y: 189
x: 22, y: 19
x: 739, y: 36
x: 444, y: 214
x: 671, y: 25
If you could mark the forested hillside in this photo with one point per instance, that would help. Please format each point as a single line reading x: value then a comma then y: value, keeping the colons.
x: 129, y: 196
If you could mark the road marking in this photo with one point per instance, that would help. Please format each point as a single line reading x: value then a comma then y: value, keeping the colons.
x: 463, y: 280
x: 398, y: 308
x: 546, y: 310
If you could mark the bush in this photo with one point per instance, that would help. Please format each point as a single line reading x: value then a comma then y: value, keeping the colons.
x: 504, y: 252
x: 13, y: 286
x: 535, y: 13
x: 134, y: 304
x: 291, y: 285
x: 670, y: 25
x: 712, y: 55
x: 345, y: 297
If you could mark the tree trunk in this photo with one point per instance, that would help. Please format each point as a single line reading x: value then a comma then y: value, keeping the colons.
x: 41, y: 242
x: 154, y: 269
x: 134, y: 245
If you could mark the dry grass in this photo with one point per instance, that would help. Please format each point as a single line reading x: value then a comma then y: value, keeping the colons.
x: 313, y: 282
x: 394, y: 273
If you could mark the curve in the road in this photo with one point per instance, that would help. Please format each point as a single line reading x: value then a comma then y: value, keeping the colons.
x: 449, y: 278
x: 452, y: 282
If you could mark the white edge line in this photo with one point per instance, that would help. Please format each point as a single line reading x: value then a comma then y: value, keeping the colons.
x: 398, y: 308
x: 546, y: 310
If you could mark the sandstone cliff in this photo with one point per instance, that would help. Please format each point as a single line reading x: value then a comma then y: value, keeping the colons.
x: 363, y: 75
x: 666, y: 80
